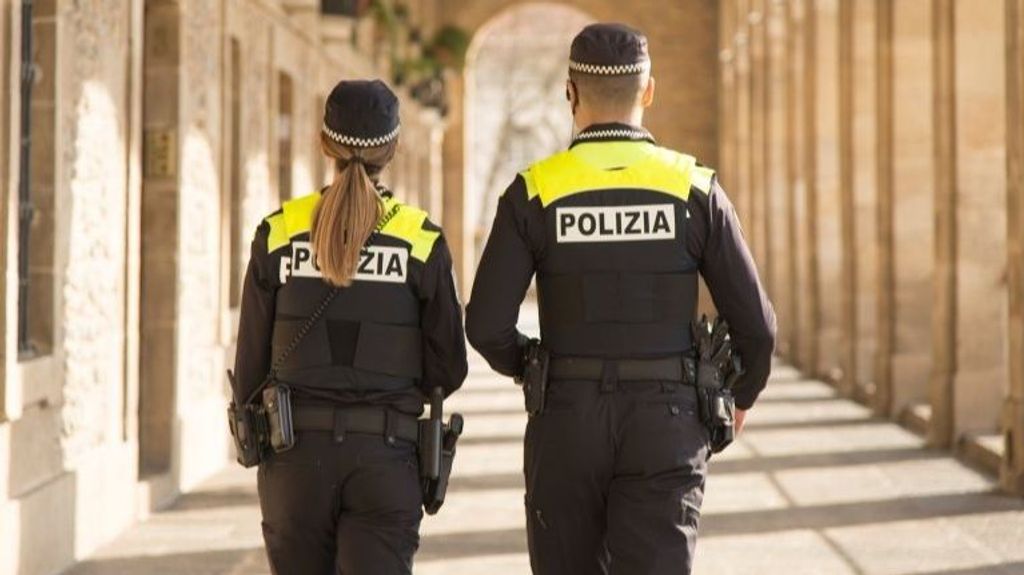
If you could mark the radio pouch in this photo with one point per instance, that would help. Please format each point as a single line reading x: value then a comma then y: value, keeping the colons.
x: 277, y: 404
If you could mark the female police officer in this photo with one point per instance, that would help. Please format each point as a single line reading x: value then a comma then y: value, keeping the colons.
x: 349, y: 303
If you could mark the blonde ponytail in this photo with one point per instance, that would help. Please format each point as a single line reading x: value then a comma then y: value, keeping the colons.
x: 349, y: 209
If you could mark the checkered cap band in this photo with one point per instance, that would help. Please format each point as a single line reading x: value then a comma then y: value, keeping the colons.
x: 361, y: 142
x: 615, y: 70
x: 614, y: 134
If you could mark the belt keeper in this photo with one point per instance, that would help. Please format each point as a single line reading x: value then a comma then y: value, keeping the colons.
x: 390, y: 427
x: 339, y: 426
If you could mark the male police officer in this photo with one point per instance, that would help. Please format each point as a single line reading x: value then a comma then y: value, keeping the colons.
x: 616, y: 229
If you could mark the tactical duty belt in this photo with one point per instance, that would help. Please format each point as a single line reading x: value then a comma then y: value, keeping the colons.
x: 364, y: 420
x: 666, y: 369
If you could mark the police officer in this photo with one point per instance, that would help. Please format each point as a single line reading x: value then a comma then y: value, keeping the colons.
x: 616, y: 230
x: 347, y: 498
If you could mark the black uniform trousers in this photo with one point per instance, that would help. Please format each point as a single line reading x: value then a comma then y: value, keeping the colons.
x: 615, y: 479
x: 351, y: 508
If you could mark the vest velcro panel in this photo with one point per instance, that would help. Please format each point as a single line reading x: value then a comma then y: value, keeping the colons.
x: 617, y: 314
x: 375, y: 347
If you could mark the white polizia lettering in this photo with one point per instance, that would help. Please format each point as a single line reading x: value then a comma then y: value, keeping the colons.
x: 616, y: 224
x: 376, y: 264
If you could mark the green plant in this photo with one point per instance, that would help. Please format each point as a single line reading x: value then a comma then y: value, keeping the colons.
x: 384, y: 15
x: 401, y: 12
x: 449, y: 46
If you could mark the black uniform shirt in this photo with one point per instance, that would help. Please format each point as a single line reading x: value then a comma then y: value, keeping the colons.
x: 444, y: 348
x: 714, y: 238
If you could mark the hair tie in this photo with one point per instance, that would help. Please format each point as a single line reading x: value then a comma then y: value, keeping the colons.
x: 357, y: 160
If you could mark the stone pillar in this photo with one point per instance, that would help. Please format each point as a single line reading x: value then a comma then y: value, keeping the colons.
x: 779, y: 268
x: 8, y: 342
x: 803, y: 111
x: 453, y: 220
x: 727, y: 170
x: 847, y: 287
x: 864, y: 193
x: 435, y: 168
x: 944, y: 317
x: 757, y: 232
x: 726, y: 89
x: 828, y: 210
x: 911, y: 200
x: 886, y: 284
x: 742, y: 180
x: 158, y: 313
x: 1012, y: 473
x: 980, y: 140
x: 795, y: 336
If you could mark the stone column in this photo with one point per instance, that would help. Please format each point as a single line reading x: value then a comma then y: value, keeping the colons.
x: 742, y: 194
x: 791, y: 37
x: 981, y: 374
x: 885, y: 285
x: 864, y: 193
x: 779, y: 272
x: 804, y: 183
x: 727, y: 170
x: 160, y: 209
x: 1012, y: 473
x: 911, y: 200
x: 847, y: 287
x: 828, y: 202
x: 757, y: 232
x: 453, y: 220
x: 944, y: 289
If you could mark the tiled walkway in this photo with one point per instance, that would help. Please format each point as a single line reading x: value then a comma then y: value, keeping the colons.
x: 815, y: 486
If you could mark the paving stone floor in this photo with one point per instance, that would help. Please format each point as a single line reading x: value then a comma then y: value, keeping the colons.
x: 815, y: 486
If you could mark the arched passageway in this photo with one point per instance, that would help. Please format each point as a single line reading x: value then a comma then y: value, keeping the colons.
x: 515, y: 105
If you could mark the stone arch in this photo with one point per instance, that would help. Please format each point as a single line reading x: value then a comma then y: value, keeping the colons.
x: 515, y: 106
x: 684, y: 46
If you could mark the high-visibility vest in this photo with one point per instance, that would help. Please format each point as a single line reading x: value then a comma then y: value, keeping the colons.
x: 370, y: 336
x: 614, y: 278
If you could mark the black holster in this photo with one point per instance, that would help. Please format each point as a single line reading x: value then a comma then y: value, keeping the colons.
x: 437, y: 452
x: 249, y: 429
x: 435, y: 489
x: 534, y: 380
x: 715, y: 403
x: 259, y: 427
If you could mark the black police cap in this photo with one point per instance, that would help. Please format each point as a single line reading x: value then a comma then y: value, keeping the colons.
x: 361, y: 114
x: 609, y: 50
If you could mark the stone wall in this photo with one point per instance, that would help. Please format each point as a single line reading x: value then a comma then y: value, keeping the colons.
x: 126, y: 408
x: 902, y: 126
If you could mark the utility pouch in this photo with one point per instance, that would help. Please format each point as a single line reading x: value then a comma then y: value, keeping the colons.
x: 723, y: 431
x: 249, y: 430
x: 434, y: 490
x: 535, y: 378
x: 277, y: 404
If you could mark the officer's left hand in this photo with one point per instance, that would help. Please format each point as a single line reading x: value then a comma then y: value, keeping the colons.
x: 738, y: 419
